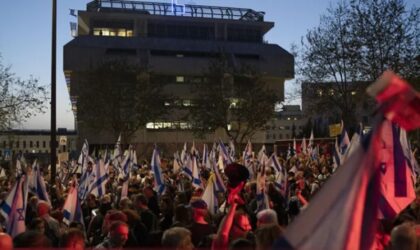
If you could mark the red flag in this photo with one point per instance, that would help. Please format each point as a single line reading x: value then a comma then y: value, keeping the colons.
x: 399, y: 102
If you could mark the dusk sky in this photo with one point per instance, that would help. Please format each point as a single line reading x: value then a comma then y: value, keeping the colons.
x: 25, y: 41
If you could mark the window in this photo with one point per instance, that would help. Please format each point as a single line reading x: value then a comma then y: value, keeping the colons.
x: 44, y: 144
x: 4, y: 144
x: 274, y: 136
x: 280, y: 136
x: 353, y: 93
x: 31, y: 144
x: 24, y: 144
x: 17, y: 144
x: 267, y: 136
x: 37, y: 144
x: 180, y: 79
x: 121, y: 32
x: 287, y: 127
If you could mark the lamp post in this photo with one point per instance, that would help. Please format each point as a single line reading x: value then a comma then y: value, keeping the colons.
x: 53, y: 143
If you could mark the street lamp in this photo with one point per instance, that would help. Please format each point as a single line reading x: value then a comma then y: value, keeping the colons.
x: 53, y: 143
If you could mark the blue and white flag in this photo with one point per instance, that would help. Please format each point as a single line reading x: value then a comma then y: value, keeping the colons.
x: 397, y: 186
x: 184, y: 153
x: 219, y: 184
x: 71, y: 209
x: 157, y: 171
x: 205, y: 158
x: 274, y: 162
x: 224, y: 153
x: 196, y: 181
x: 38, y: 185
x: 101, y: 178
x: 311, y: 143
x: 117, y: 156
x: 303, y: 147
x: 232, y: 151
x: 248, y: 159
x: 187, y: 168
x: 409, y: 155
x: 210, y: 195
x: 13, y: 208
x: 177, y: 166
x: 344, y: 140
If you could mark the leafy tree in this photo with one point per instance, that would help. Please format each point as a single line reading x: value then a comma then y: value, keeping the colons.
x: 119, y: 97
x: 354, y: 43
x: 236, y: 100
x: 19, y: 99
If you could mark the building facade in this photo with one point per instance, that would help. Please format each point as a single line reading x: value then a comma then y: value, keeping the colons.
x: 286, y: 125
x: 177, y: 42
x: 35, y: 144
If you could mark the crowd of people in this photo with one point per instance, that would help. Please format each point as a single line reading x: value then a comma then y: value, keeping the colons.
x: 179, y: 217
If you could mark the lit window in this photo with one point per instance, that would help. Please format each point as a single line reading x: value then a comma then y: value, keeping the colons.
x: 229, y: 127
x: 179, y: 79
x: 234, y: 102
x: 187, y: 103
x: 331, y: 92
x: 320, y: 92
x: 295, y: 119
x: 179, y: 55
x: 288, y: 118
x: 353, y: 93
x: 167, y: 103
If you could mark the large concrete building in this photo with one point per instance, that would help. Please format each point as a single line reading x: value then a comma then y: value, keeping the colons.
x: 177, y: 42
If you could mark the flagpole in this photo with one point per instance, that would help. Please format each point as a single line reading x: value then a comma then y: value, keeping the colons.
x: 53, y: 144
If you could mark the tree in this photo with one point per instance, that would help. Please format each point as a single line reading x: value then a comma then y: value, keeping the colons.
x: 120, y: 97
x: 19, y: 99
x: 353, y: 44
x: 236, y: 100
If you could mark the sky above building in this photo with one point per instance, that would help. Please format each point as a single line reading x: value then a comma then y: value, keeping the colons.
x: 25, y: 41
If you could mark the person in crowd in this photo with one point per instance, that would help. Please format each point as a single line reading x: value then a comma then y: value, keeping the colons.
x: 6, y: 242
x: 37, y: 224
x: 72, y: 239
x: 177, y: 238
x: 403, y: 237
x: 266, y: 217
x: 200, y: 228
x: 147, y: 217
x: 94, y: 230
x: 267, y: 234
x: 117, y: 236
x: 52, y: 226
x: 30, y: 240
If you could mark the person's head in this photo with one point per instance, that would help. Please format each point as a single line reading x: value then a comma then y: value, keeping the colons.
x: 118, y: 233
x: 148, y: 192
x: 6, y: 242
x: 132, y: 217
x: 140, y: 201
x: 72, y: 239
x: 266, y: 217
x: 111, y: 216
x: 178, y: 238
x: 105, y: 204
x: 266, y: 235
x: 182, y: 214
x: 91, y: 201
x: 403, y: 237
x: 240, y: 226
x: 241, y: 244
x: 43, y: 208
x: 33, y: 202
x: 31, y: 239
x: 125, y: 203
x: 37, y: 224
x: 199, y: 208
x: 165, y: 205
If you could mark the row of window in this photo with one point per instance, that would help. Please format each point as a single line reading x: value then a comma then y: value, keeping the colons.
x: 282, y: 127
x: 169, y: 125
x: 33, y: 151
x: 180, y: 30
x: 24, y: 144
x: 277, y: 137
